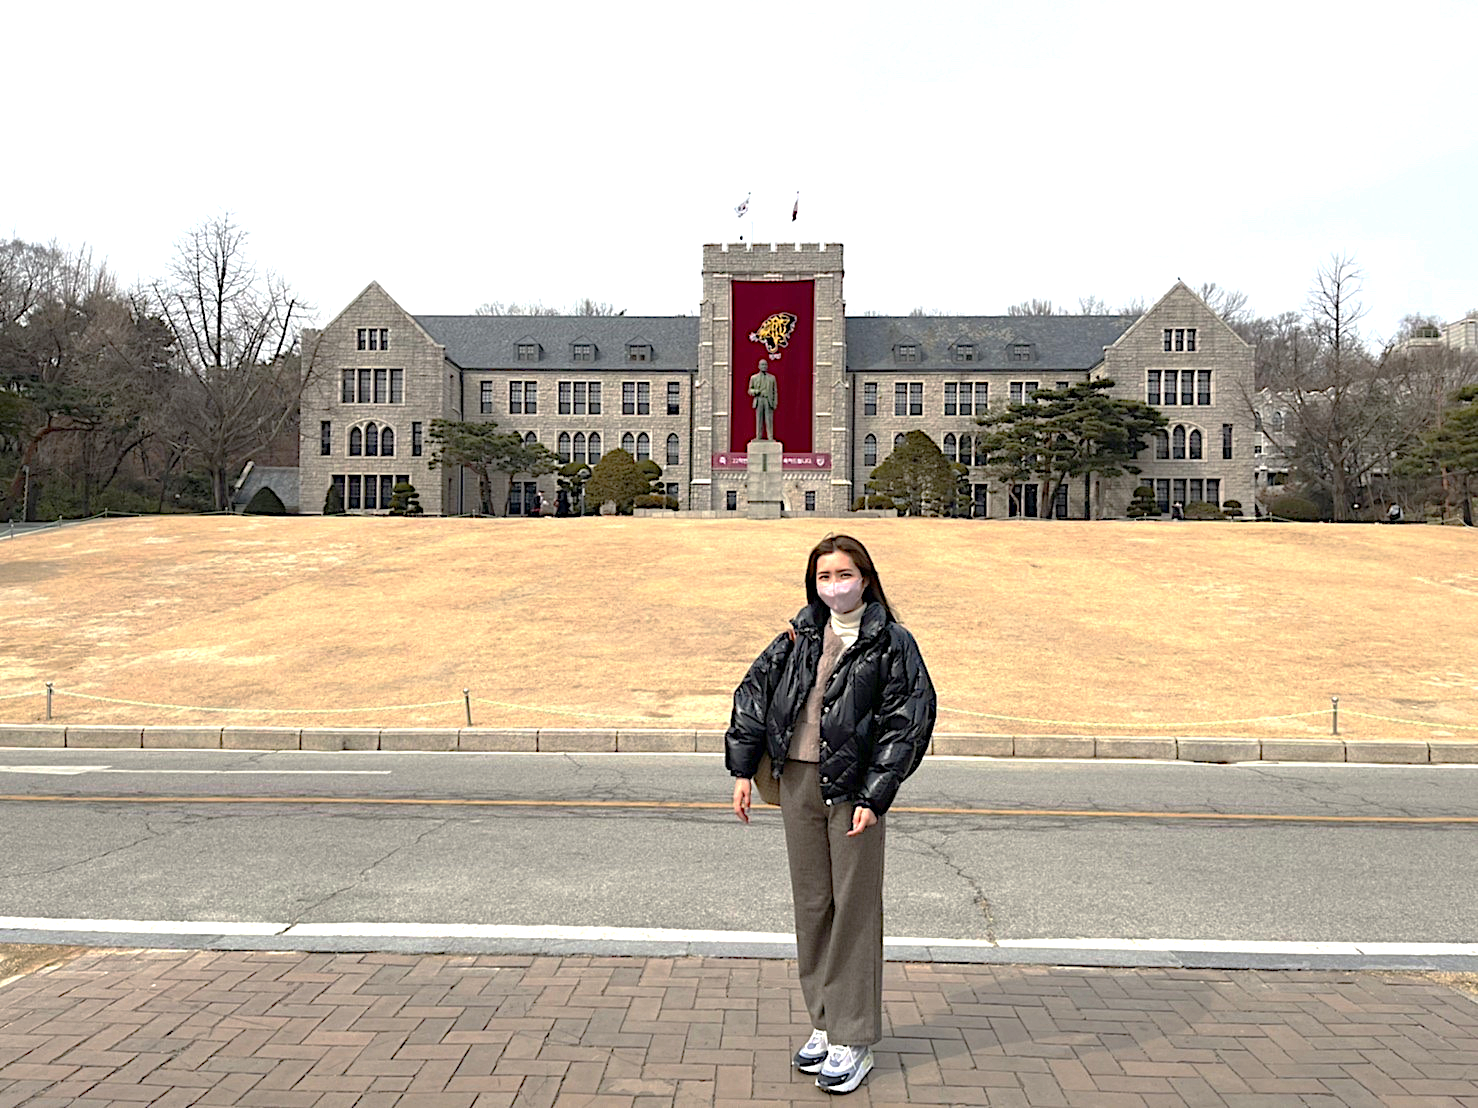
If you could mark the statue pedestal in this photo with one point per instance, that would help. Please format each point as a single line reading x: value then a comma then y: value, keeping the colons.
x: 762, y: 479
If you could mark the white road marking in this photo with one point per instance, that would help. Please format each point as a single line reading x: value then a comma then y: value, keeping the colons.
x: 687, y: 935
x: 72, y: 771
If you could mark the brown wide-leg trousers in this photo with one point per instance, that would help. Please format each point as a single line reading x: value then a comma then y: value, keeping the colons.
x: 837, y: 886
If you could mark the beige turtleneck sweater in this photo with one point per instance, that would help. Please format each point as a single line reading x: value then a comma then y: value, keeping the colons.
x: 841, y: 632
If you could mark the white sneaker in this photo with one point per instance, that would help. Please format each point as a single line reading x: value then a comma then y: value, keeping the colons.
x: 844, y: 1068
x: 810, y: 1057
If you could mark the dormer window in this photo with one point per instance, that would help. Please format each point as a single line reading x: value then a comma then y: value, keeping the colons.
x: 964, y: 351
x: 906, y: 353
x: 638, y: 352
x: 1022, y: 352
x: 528, y: 352
x: 582, y: 352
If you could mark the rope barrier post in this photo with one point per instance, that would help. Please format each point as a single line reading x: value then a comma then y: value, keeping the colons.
x: 467, y: 700
x: 1334, y: 702
x: 48, y: 702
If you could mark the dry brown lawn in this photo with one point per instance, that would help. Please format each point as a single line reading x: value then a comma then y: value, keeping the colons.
x: 1028, y: 626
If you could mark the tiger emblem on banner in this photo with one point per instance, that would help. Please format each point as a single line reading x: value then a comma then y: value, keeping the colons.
x: 775, y: 333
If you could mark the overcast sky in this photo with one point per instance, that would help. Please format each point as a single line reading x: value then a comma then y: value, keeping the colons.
x: 968, y: 155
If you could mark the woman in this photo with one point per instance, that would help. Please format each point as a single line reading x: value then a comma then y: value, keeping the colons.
x: 844, y: 707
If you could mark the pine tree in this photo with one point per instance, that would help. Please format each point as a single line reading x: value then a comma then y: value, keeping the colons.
x: 917, y: 477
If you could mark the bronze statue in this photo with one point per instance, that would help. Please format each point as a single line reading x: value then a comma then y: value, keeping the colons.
x: 764, y: 387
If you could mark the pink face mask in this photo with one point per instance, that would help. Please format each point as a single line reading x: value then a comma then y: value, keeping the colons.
x: 841, y: 596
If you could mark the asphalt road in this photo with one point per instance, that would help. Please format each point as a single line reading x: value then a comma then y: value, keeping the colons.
x: 1026, y: 849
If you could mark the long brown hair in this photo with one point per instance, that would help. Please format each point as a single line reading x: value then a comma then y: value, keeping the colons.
x: 846, y: 544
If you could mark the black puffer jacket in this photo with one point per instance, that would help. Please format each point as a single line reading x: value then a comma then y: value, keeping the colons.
x: 877, y: 712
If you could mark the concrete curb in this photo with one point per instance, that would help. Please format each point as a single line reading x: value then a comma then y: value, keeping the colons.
x: 688, y: 741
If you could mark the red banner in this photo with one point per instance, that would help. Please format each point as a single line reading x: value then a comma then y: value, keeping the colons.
x: 788, y: 460
x: 773, y: 320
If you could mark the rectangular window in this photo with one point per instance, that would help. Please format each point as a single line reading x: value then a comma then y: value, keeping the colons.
x: 580, y: 400
x: 528, y: 352
x: 869, y: 398
x: 670, y: 489
x: 364, y: 386
x: 966, y: 393
x: 982, y: 397
x: 1213, y: 491
x: 1180, y: 490
x: 628, y: 398
x: 387, y: 489
x: 346, y: 388
x: 810, y: 501
x: 900, y: 398
x: 1203, y: 386
x: 1152, y: 386
x: 1021, y: 352
x: 1226, y: 440
x: 485, y: 398
x: 916, y: 398
x: 338, y: 483
x: 964, y: 352
x: 374, y: 337
x: 531, y: 398
x: 638, y: 353
x: 1162, y: 494
x: 564, y: 398
x: 1162, y: 445
x: 1190, y: 340
x: 325, y: 438
x: 1016, y: 392
x: 1187, y: 387
x: 397, y: 386
x: 908, y: 353
x: 1197, y: 490
x: 382, y: 382
x: 644, y: 398
x: 354, y: 483
x: 515, y: 397
x: 594, y: 397
x: 1179, y: 339
x: 583, y: 352
x: 731, y: 500
x: 1169, y: 395
x: 674, y: 397
x: 951, y: 404
x: 371, y: 491
x: 415, y: 440
x: 1169, y: 339
x: 360, y: 337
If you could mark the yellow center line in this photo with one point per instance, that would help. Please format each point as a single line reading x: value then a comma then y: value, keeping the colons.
x: 712, y: 805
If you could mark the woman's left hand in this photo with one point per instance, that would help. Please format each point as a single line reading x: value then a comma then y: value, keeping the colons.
x: 862, y: 819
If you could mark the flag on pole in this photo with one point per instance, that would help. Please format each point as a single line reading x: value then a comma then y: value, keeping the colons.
x: 796, y: 211
x: 742, y: 208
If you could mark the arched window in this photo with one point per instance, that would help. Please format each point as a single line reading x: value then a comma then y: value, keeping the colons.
x: 643, y: 447
x: 870, y: 451
x: 1177, y: 446
x: 964, y: 450
x: 1162, y: 445
x: 594, y: 447
x: 1195, y: 444
x: 371, y: 440
x: 628, y: 443
x: 1276, y: 423
x: 564, y: 446
x: 674, y: 449
x: 531, y: 439
x: 579, y: 446
x: 898, y: 440
x: 387, y: 443
x: 356, y: 442
x: 949, y: 447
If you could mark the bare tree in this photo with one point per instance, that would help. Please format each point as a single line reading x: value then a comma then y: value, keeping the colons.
x: 1032, y: 307
x: 1229, y: 304
x: 583, y: 306
x: 236, y: 340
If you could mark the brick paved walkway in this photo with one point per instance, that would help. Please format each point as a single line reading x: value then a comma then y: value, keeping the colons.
x: 285, y: 1029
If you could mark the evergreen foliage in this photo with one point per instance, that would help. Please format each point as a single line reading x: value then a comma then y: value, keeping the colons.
x: 916, y: 478
x: 333, y: 503
x: 616, y: 478
x: 1143, y: 504
x: 405, y: 500
x: 1295, y: 508
x: 485, y: 451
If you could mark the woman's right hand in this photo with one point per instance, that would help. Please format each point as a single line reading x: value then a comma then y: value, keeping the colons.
x: 742, y: 786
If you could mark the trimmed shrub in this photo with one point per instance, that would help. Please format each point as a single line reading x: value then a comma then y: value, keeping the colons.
x: 264, y: 502
x: 1295, y: 508
x: 654, y: 500
x: 333, y: 503
x: 1232, y: 508
x: 874, y: 503
x: 405, y: 500
x: 1143, y: 504
x: 1200, y: 509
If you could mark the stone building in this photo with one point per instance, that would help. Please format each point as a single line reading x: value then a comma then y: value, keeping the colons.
x: 675, y: 389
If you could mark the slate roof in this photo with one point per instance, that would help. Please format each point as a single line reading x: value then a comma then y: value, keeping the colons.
x: 490, y: 341
x: 1059, y: 341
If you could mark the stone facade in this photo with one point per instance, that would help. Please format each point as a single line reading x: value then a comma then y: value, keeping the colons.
x: 665, y: 387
